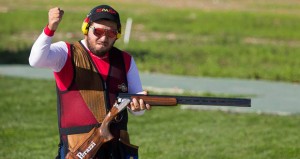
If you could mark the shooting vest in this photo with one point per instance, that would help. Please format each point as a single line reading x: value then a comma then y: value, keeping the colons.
x: 88, y: 99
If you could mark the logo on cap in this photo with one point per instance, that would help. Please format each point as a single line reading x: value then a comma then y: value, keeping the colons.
x: 108, y: 10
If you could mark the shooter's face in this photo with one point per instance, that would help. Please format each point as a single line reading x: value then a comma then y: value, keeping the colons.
x: 101, y: 36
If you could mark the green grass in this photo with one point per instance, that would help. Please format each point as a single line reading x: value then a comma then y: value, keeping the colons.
x: 256, y: 40
x: 28, y: 118
x: 29, y: 129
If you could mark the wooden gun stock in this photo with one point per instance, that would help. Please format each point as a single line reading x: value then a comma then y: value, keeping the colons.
x: 166, y: 100
x: 97, y: 136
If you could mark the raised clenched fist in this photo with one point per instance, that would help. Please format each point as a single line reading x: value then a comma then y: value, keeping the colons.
x: 54, y: 17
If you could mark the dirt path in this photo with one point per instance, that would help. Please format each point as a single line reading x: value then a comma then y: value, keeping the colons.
x: 267, y: 97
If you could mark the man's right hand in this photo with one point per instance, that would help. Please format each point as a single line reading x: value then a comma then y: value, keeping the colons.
x: 54, y: 17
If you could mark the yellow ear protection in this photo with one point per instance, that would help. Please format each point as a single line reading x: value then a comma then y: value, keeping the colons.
x: 86, y: 24
x: 119, y: 32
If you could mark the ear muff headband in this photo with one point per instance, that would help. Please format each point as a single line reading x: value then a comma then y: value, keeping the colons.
x: 86, y: 24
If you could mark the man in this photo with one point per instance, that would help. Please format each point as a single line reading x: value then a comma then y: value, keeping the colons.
x: 88, y: 75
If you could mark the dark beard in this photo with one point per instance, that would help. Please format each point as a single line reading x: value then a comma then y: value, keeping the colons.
x: 99, y: 53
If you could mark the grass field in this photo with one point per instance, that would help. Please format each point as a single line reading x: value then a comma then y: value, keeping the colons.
x: 29, y: 129
x: 240, y: 39
x: 213, y: 38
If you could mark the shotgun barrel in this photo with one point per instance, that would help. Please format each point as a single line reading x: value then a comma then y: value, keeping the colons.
x: 169, y: 100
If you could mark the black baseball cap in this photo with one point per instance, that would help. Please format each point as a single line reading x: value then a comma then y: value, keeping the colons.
x: 104, y: 12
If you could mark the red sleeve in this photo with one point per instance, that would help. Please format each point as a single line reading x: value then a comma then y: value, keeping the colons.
x: 64, y: 77
x: 127, y: 60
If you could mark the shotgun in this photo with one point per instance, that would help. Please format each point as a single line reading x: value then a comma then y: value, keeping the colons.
x: 99, y: 135
x: 168, y: 100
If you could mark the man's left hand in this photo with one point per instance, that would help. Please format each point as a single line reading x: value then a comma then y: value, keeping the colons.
x: 138, y: 105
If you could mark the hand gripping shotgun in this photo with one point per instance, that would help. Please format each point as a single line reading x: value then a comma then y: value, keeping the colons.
x: 168, y: 100
x: 97, y: 136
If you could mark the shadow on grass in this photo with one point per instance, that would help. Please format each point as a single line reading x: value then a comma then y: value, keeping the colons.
x: 21, y: 56
x: 14, y: 57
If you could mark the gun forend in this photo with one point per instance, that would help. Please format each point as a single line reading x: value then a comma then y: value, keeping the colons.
x: 153, y: 100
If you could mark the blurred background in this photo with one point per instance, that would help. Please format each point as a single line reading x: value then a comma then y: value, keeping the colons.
x: 213, y: 38
x: 256, y: 40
